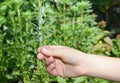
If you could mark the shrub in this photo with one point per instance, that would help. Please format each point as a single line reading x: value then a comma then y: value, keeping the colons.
x: 26, y: 25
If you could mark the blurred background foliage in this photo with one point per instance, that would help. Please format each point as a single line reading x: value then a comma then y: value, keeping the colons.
x: 82, y: 24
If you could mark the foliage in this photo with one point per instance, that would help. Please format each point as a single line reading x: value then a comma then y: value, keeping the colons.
x: 19, y: 41
x: 116, y: 47
x: 26, y: 25
x: 74, y: 23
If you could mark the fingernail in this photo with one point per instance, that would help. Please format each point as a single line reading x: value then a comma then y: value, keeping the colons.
x: 44, y: 50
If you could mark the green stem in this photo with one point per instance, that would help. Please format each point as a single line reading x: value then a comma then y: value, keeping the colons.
x: 15, y: 35
x: 19, y: 19
x: 1, y: 54
x: 20, y: 58
x: 81, y: 31
x: 64, y: 8
x: 73, y: 21
x: 82, y: 16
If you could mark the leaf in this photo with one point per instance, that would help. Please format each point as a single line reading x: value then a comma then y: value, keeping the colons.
x: 17, y: 72
x: 80, y: 79
x: 100, y: 36
x: 97, y: 47
x: 108, y: 41
x: 9, y: 76
x: 61, y: 80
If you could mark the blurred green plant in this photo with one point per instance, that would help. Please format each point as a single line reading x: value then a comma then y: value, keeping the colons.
x: 116, y: 47
x: 19, y: 27
x: 74, y: 26
x: 26, y: 25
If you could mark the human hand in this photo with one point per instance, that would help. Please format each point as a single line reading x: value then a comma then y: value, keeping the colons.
x: 68, y: 62
x: 62, y: 61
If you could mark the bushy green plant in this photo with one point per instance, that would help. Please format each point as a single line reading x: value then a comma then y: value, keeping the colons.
x: 19, y: 41
x: 26, y: 25
x: 72, y: 24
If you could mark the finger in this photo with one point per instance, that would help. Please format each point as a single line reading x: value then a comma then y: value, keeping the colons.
x: 40, y: 56
x: 50, y: 46
x: 53, y: 72
x: 39, y: 49
x: 51, y: 67
x: 49, y: 60
x: 52, y: 51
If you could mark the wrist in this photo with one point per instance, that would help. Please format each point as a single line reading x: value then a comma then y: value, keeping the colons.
x: 83, y: 65
x: 88, y: 63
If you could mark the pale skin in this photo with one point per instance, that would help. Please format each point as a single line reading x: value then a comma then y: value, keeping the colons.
x: 68, y: 62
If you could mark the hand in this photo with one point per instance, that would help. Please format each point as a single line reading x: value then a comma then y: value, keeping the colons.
x: 62, y: 61
x: 68, y: 62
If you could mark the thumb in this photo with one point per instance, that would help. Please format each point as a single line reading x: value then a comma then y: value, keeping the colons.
x: 55, y: 51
